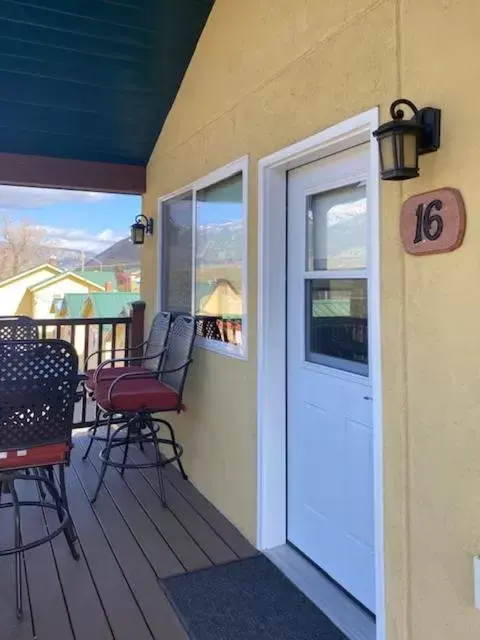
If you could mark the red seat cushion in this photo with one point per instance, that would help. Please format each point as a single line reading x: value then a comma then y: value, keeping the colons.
x: 132, y: 395
x: 40, y: 456
x: 109, y: 373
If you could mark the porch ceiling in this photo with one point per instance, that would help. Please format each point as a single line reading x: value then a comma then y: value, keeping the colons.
x: 92, y: 79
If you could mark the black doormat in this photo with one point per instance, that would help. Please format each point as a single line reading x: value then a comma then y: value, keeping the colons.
x: 246, y: 600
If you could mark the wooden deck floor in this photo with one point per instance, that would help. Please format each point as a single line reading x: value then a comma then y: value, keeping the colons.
x: 127, y: 541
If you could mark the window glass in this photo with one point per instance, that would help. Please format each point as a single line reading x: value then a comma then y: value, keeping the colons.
x: 219, y: 245
x: 203, y: 259
x: 177, y: 254
x: 336, y: 323
x: 337, y: 229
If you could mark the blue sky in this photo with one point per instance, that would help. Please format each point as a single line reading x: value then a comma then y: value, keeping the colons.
x: 72, y: 219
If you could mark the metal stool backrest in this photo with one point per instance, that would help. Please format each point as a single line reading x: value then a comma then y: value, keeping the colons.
x: 157, y: 339
x: 38, y: 383
x: 178, y: 353
x: 18, y: 328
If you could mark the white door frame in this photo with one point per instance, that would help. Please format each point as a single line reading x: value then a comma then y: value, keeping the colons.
x: 271, y: 411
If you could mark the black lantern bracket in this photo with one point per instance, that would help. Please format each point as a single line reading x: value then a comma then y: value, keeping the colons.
x: 141, y: 227
x: 402, y: 140
x: 146, y: 222
x: 428, y: 119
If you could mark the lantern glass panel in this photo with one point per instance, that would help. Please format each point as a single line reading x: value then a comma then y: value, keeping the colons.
x: 138, y: 233
x: 410, y: 157
x: 387, y: 153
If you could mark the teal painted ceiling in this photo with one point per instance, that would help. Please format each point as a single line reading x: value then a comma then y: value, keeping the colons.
x: 92, y: 79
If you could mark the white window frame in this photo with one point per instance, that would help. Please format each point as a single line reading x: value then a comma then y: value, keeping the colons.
x: 271, y: 336
x: 229, y: 170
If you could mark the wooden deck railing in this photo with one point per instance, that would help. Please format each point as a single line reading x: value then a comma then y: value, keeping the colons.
x: 88, y: 335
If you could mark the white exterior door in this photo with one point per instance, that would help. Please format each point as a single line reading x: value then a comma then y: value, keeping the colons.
x: 330, y: 488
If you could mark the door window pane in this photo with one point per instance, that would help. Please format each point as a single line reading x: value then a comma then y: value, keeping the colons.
x: 337, y: 229
x: 220, y: 230
x: 337, y: 324
x: 177, y: 248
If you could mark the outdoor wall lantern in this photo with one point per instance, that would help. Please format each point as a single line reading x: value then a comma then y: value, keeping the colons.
x: 400, y: 141
x: 141, y: 226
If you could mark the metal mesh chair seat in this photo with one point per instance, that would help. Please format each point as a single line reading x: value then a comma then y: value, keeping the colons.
x: 150, y: 360
x: 38, y: 384
x: 208, y: 327
x: 18, y: 328
x: 157, y: 338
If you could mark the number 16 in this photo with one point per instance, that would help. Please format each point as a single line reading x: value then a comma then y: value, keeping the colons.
x: 429, y: 225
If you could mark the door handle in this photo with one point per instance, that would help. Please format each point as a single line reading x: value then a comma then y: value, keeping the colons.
x: 367, y: 398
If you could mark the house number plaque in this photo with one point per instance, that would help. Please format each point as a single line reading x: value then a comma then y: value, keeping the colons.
x: 433, y: 222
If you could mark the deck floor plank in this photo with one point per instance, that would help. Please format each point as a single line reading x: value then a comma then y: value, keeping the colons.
x: 159, y: 554
x: 10, y: 627
x: 157, y: 611
x: 126, y: 619
x: 224, y: 528
x: 79, y: 589
x: 178, y: 538
x: 206, y: 537
x: 42, y: 570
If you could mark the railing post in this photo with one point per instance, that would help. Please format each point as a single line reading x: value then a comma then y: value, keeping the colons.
x: 137, y: 328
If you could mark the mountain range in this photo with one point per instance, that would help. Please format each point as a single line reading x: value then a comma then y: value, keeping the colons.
x: 223, y: 243
x: 122, y: 252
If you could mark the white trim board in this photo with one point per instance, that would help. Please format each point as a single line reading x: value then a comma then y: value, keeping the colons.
x: 271, y: 414
x: 345, y: 614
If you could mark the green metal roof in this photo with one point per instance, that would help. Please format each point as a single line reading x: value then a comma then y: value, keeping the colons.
x: 111, y: 304
x: 85, y: 275
x: 73, y: 304
x: 92, y: 79
x: 98, y: 277
x: 330, y: 308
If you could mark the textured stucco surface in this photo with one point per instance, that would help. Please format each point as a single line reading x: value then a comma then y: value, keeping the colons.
x: 267, y: 74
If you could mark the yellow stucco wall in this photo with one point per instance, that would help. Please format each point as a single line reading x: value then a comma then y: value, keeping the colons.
x: 266, y: 74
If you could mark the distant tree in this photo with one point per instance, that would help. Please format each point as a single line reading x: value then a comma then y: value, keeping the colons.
x: 22, y: 246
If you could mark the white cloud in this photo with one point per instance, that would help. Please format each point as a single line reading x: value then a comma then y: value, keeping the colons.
x: 20, y: 198
x: 81, y: 239
x: 107, y: 235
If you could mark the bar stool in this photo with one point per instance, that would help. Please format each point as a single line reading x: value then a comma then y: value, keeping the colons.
x: 38, y: 388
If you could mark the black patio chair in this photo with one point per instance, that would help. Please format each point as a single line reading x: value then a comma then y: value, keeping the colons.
x: 146, y: 365
x: 149, y: 361
x: 18, y: 328
x: 26, y: 328
x: 135, y: 400
x: 38, y: 384
x: 208, y: 327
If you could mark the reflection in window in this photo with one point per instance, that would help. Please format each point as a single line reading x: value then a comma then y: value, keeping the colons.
x: 337, y: 229
x: 177, y: 254
x: 337, y: 326
x: 219, y: 260
x: 210, y: 284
